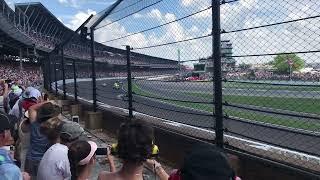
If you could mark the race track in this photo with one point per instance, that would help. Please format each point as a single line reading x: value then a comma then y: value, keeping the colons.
x: 302, y: 141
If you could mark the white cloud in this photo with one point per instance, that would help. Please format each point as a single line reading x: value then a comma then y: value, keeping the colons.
x: 298, y: 36
x: 75, y: 21
x: 155, y: 13
x: 137, y: 16
x: 71, y: 3
x: 187, y: 2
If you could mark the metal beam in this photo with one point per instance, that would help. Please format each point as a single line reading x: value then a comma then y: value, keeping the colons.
x: 34, y: 20
x: 43, y: 25
x: 71, y: 37
x: 39, y: 24
x: 106, y: 14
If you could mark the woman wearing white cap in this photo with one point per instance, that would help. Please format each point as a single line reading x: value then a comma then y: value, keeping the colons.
x: 81, y: 156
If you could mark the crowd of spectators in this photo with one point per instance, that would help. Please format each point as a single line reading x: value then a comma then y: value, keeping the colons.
x: 36, y: 142
x: 29, y: 75
x: 269, y: 75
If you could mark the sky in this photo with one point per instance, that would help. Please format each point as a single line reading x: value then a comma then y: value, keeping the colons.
x: 290, y: 37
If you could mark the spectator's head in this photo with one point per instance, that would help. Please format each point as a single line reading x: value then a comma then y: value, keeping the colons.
x: 48, y: 111
x: 205, y: 163
x: 71, y: 132
x: 16, y: 90
x: 65, y: 132
x: 51, y: 128
x: 81, y: 156
x: 135, y: 142
x: 32, y: 94
x: 6, y: 126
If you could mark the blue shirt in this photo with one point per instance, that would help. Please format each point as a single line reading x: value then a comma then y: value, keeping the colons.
x: 38, y: 143
x: 8, y: 170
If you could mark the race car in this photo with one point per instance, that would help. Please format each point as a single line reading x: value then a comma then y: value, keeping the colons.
x: 116, y: 85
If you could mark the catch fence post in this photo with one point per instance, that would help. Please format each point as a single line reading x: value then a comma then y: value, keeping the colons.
x: 129, y: 81
x: 216, y: 58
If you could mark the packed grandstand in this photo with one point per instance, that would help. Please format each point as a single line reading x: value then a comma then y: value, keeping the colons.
x: 37, y: 37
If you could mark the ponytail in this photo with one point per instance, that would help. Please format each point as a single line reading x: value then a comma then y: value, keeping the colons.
x: 77, y: 151
x: 73, y: 165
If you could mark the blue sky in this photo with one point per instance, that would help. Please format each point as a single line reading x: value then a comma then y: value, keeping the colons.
x: 291, y: 37
x: 66, y: 9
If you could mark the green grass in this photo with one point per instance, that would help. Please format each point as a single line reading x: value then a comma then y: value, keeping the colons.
x: 240, y: 113
x: 268, y: 87
x: 306, y: 105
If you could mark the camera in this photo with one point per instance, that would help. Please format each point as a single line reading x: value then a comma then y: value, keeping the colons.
x: 102, y: 151
x: 8, y: 81
x: 75, y: 119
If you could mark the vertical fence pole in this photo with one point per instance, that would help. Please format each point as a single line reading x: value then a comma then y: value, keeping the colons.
x: 55, y: 77
x: 63, y: 75
x: 75, y: 88
x: 129, y: 80
x: 49, y: 74
x: 94, y: 82
x: 216, y: 57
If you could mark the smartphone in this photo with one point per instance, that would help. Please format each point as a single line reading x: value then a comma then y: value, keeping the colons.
x: 102, y: 151
x: 45, y: 97
x: 8, y: 81
x: 75, y: 119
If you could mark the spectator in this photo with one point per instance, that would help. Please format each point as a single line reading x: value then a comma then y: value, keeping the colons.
x: 29, y: 76
x: 55, y: 164
x: 30, y: 97
x: 8, y: 170
x: 135, y: 147
x: 39, y: 143
x: 81, y: 156
x: 23, y: 143
x: 205, y: 163
x: 14, y: 95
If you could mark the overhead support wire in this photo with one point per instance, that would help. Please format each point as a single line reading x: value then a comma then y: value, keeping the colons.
x: 175, y: 42
x: 275, y: 54
x: 269, y: 25
x: 129, y: 15
x: 155, y: 27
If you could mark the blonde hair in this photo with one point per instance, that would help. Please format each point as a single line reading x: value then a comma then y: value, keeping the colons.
x: 51, y: 128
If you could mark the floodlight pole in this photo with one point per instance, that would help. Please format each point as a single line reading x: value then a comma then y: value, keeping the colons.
x: 216, y: 57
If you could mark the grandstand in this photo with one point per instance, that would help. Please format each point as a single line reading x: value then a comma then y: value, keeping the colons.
x: 32, y: 31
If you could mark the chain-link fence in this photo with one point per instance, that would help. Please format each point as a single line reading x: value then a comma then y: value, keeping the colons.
x: 245, y: 73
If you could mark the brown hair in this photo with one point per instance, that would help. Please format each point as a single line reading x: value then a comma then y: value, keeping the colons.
x: 51, y: 129
x: 135, y: 141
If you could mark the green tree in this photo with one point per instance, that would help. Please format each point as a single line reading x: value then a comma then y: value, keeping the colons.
x: 281, y: 63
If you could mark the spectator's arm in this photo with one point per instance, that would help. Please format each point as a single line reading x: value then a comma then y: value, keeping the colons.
x: 163, y: 175
x: 26, y: 176
x: 33, y: 111
x: 110, y: 159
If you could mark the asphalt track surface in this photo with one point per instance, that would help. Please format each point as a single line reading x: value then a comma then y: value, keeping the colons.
x: 305, y: 142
